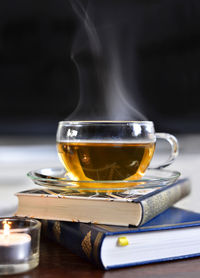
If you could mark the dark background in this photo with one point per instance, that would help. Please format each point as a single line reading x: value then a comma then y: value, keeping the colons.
x: 39, y: 84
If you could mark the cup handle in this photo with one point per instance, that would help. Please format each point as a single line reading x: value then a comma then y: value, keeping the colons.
x: 171, y: 139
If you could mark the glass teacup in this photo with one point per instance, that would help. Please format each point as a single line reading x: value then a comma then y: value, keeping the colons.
x: 109, y: 150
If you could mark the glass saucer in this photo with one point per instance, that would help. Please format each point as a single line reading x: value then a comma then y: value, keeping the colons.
x: 57, y: 178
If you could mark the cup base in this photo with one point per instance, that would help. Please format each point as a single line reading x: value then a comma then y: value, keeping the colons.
x: 15, y: 268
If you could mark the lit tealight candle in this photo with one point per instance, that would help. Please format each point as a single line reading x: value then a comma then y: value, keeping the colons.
x: 14, y: 247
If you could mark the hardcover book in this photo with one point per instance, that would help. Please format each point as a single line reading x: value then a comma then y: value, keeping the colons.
x: 131, y: 207
x: 172, y: 235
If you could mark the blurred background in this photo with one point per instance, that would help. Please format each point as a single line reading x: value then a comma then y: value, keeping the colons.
x: 39, y: 82
x: 119, y: 60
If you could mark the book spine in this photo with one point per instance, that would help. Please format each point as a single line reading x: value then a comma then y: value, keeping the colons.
x: 158, y: 203
x: 79, y: 238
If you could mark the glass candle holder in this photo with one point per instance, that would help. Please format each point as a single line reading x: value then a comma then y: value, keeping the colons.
x: 19, y: 244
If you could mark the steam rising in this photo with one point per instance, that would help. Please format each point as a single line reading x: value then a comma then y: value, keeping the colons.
x: 89, y: 27
x: 100, y: 62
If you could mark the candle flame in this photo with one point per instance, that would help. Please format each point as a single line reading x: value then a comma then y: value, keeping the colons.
x: 6, y: 227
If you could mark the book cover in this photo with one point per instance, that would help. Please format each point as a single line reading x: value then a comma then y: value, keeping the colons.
x: 172, y: 235
x: 130, y: 207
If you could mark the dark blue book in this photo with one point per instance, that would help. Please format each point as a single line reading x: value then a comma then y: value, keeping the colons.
x: 174, y: 234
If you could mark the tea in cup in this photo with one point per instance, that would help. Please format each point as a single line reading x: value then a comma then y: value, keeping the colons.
x: 109, y: 150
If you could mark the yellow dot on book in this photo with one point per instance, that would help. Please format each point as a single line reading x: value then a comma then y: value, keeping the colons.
x: 122, y: 241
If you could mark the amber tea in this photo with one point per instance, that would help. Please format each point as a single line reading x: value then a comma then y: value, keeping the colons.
x: 109, y: 150
x: 105, y: 160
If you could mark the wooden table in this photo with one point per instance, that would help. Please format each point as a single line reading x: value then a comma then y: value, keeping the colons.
x: 56, y: 261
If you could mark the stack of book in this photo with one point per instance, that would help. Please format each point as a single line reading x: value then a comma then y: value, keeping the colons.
x: 117, y: 229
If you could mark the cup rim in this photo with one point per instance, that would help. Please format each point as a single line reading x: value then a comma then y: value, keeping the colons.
x: 36, y: 224
x: 104, y: 122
